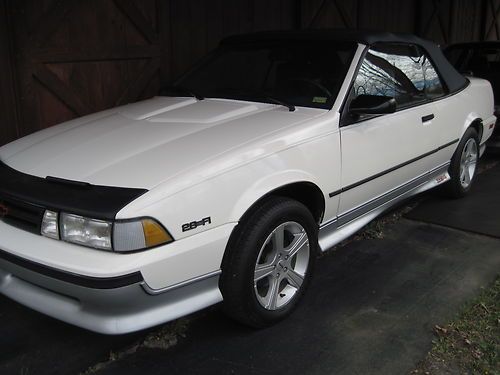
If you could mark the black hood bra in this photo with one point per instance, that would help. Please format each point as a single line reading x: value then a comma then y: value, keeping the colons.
x: 453, y: 79
x: 27, y: 196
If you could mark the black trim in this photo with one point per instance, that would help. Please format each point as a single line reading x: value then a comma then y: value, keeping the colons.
x: 336, y: 192
x: 58, y: 180
x: 80, y: 198
x: 364, y: 181
x: 23, y: 215
x: 343, y: 110
x: 448, y: 144
x: 72, y: 278
x: 428, y: 117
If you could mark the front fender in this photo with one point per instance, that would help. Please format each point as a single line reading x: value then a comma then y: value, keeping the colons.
x: 218, y: 201
x: 224, y: 199
x: 266, y: 185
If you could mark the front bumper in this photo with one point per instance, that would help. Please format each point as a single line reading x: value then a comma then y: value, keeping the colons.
x: 161, y: 268
x: 107, y: 292
x: 100, y: 307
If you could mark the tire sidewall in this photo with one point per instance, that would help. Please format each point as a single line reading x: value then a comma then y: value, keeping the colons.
x: 458, y: 189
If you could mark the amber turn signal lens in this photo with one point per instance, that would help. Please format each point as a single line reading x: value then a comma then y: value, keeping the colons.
x: 154, y: 233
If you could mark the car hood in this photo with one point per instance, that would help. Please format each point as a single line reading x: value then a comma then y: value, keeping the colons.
x: 144, y: 144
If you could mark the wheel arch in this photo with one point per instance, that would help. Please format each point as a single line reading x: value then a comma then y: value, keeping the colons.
x: 476, y: 122
x: 302, y: 190
x: 305, y: 192
x: 478, y: 125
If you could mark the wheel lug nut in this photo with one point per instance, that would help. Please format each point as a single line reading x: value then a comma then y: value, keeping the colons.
x: 278, y: 275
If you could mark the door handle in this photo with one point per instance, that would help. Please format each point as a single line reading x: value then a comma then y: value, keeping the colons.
x: 428, y: 117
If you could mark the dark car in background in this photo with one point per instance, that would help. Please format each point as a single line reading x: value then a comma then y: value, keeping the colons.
x: 480, y: 59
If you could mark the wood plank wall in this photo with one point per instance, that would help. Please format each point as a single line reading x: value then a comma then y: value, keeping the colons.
x: 444, y: 21
x: 61, y: 59
x: 9, y: 123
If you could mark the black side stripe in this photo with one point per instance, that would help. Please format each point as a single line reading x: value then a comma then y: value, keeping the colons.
x: 364, y: 181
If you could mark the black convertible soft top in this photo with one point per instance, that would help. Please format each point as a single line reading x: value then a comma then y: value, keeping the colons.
x: 452, y: 78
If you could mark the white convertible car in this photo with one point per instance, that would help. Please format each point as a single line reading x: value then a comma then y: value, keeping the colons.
x: 225, y: 187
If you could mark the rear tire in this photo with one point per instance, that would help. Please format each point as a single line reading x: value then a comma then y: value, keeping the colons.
x: 463, y: 165
x: 269, y: 262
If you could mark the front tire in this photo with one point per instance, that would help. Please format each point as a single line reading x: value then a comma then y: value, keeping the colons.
x: 269, y: 262
x: 463, y: 165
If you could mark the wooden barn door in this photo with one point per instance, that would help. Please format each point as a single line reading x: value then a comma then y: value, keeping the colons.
x: 77, y: 57
x: 62, y: 59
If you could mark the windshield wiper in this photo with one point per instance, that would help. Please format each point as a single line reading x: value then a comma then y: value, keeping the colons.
x: 165, y: 91
x: 268, y: 97
x: 275, y: 100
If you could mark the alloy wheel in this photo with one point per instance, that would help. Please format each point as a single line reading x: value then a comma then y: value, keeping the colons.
x: 468, y: 163
x: 281, y: 265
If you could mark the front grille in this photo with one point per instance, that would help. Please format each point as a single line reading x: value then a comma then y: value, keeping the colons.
x: 22, y: 215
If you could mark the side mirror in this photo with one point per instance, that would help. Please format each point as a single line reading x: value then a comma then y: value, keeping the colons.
x: 372, y: 105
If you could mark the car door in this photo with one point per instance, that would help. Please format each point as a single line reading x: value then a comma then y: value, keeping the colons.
x: 382, y: 155
x: 447, y: 122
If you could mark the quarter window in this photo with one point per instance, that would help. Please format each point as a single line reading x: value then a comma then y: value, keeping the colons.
x: 433, y: 86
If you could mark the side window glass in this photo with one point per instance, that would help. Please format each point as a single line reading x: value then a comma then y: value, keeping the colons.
x: 433, y: 86
x: 392, y: 70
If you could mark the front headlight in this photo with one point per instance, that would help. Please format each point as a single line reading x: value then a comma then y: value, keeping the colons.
x: 120, y: 236
x: 85, y: 231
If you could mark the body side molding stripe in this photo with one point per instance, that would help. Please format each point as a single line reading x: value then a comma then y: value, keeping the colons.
x: 360, y: 210
x: 383, y: 173
x: 343, y: 226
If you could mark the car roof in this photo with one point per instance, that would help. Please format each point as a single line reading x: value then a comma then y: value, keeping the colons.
x: 453, y: 80
x: 338, y: 35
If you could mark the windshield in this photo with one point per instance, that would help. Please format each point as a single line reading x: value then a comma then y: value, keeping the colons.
x: 298, y: 73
